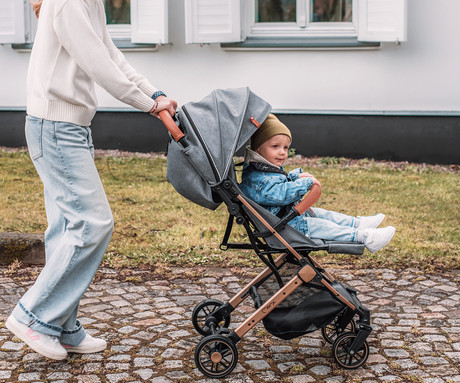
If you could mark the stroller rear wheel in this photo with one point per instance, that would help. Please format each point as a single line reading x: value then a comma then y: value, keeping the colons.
x: 202, y: 311
x: 344, y: 356
x: 332, y: 331
x: 216, y: 356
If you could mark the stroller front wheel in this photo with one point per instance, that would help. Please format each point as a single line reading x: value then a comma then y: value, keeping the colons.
x: 343, y: 354
x: 332, y: 331
x: 202, y: 311
x: 216, y: 356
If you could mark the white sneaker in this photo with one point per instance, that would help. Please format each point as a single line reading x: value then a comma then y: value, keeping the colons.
x: 46, y: 345
x: 87, y: 346
x: 375, y: 239
x: 371, y: 222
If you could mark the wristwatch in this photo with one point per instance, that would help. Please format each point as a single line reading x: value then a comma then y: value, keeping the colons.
x: 157, y: 94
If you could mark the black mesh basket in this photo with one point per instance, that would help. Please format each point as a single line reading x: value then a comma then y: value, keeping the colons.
x: 309, y: 308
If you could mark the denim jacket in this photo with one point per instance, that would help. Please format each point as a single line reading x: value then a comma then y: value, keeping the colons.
x: 273, y: 188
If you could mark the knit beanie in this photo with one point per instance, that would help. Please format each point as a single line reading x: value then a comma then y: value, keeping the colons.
x: 270, y: 127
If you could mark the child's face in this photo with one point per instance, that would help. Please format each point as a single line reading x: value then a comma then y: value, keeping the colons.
x: 275, y: 150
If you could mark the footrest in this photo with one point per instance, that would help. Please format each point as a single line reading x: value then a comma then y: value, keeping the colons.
x: 354, y: 248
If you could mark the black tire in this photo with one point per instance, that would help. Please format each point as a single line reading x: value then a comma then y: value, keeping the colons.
x: 216, y: 356
x: 340, y: 351
x: 331, y: 332
x: 201, y: 312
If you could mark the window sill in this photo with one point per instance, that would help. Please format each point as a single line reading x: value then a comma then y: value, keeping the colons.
x: 122, y: 44
x: 127, y: 45
x: 26, y: 47
x: 300, y: 43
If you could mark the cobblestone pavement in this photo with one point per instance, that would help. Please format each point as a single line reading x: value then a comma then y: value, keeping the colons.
x: 146, y: 319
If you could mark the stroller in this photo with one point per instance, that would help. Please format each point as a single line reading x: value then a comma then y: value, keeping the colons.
x: 293, y: 295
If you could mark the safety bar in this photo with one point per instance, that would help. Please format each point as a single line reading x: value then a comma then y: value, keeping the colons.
x: 312, y: 196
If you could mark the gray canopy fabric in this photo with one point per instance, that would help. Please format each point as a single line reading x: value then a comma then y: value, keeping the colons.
x: 215, y: 128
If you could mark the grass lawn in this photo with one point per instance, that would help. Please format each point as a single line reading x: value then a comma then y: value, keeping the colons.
x: 154, y: 225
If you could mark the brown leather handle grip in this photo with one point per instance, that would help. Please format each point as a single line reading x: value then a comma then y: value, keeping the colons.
x: 166, y: 118
x: 311, y: 197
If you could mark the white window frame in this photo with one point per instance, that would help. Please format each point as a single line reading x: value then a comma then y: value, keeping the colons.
x: 149, y: 24
x: 303, y: 27
x: 373, y: 21
x: 119, y: 31
x: 383, y: 20
x: 12, y: 22
x: 213, y: 21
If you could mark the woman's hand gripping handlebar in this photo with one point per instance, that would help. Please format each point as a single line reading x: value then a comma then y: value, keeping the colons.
x: 173, y: 129
x: 168, y: 121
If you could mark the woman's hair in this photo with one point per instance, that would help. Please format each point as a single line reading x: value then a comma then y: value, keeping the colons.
x: 36, y: 5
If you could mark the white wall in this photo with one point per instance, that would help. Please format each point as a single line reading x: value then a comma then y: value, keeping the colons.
x: 420, y: 75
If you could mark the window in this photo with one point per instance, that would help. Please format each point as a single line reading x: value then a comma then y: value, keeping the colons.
x: 268, y: 11
x: 135, y: 21
x: 139, y: 21
x: 296, y: 23
x: 118, y: 12
x: 297, y: 18
x: 319, y: 10
x: 118, y: 15
x: 331, y: 10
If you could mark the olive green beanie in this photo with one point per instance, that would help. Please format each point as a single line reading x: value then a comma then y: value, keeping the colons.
x: 270, y: 127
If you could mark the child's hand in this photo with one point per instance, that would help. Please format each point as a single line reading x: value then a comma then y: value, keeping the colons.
x: 306, y: 175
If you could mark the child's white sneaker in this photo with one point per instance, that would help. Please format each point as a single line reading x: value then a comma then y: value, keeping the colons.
x: 370, y: 222
x: 88, y: 345
x: 46, y: 345
x: 375, y: 239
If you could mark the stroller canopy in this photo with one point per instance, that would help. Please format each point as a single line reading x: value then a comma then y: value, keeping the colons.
x: 215, y: 129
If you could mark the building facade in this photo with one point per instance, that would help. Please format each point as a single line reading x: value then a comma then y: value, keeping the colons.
x: 357, y: 78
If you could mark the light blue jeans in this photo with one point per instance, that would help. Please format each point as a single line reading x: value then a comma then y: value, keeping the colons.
x: 329, y: 225
x: 80, y: 225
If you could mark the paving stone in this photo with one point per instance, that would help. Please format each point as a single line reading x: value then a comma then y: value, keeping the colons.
x: 395, y: 353
x: 302, y: 379
x: 144, y: 373
x: 143, y: 362
x: 114, y: 378
x: 321, y: 370
x: 26, y: 377
x: 12, y: 346
x: 432, y: 360
x: 258, y: 364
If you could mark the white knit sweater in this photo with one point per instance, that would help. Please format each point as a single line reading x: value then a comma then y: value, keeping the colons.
x: 72, y: 50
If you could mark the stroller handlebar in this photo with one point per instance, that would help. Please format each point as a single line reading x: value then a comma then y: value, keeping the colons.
x: 168, y: 121
x: 311, y: 197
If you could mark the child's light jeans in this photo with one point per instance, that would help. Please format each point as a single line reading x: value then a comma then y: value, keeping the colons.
x: 329, y: 225
x: 80, y: 225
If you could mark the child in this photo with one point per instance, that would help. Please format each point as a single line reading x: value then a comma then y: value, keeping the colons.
x: 265, y: 182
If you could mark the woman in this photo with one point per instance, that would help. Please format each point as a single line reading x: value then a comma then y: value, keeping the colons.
x: 72, y: 51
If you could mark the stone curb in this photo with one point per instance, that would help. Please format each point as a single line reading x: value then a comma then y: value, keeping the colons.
x: 27, y: 248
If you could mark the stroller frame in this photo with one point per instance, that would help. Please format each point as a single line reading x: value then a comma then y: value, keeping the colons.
x: 199, y: 167
x: 216, y: 355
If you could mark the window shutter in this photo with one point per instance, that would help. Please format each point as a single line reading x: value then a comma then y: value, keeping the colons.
x: 12, y: 22
x: 149, y: 21
x: 213, y: 21
x: 382, y: 20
